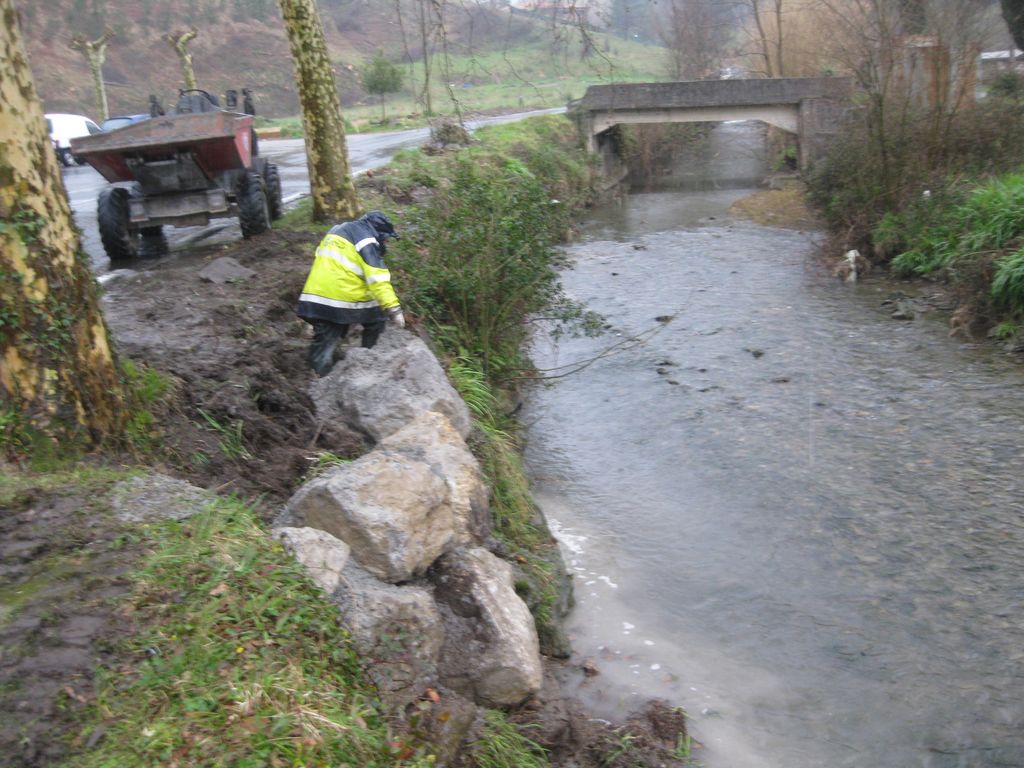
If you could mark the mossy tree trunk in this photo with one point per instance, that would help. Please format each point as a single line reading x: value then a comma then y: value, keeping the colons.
x: 1013, y: 12
x: 334, y: 194
x: 95, y: 52
x: 58, y: 371
x: 179, y: 42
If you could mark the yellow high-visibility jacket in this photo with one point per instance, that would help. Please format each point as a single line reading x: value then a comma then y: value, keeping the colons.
x: 349, y: 281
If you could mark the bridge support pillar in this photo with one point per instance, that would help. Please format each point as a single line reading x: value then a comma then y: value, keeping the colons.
x: 821, y: 120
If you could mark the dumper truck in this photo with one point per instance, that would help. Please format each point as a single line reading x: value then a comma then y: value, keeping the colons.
x: 195, y: 163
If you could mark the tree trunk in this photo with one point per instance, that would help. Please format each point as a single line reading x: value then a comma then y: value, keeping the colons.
x: 95, y: 52
x: 58, y: 371
x: 425, y: 42
x: 779, y: 65
x: 1013, y: 12
x: 179, y: 42
x: 334, y: 194
x: 762, y: 38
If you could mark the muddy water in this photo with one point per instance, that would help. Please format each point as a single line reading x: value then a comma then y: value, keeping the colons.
x: 799, y: 518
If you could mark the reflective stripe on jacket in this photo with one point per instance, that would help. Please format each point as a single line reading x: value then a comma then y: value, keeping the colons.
x: 349, y: 281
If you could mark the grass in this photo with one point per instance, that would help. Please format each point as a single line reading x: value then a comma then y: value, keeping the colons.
x: 527, y: 76
x: 516, y: 519
x: 1006, y: 331
x: 623, y: 747
x: 503, y: 746
x: 147, y: 390
x: 235, y: 659
x: 321, y: 462
x: 683, y: 750
x: 232, y: 438
x: 1008, y: 284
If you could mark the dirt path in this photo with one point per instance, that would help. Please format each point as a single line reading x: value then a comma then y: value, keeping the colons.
x: 61, y: 563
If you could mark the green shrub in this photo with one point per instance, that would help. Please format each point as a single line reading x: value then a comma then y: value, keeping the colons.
x: 481, y: 258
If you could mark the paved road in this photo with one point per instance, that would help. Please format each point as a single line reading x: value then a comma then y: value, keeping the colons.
x: 365, y: 151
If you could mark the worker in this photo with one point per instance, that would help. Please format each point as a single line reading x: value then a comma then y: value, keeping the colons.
x: 349, y: 283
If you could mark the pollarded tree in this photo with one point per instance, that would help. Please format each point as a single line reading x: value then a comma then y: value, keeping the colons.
x: 381, y: 78
x: 331, y: 186
x: 95, y: 52
x: 58, y: 372
x: 179, y: 41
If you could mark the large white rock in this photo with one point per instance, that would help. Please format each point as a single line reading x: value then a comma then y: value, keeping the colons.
x: 432, y: 438
x: 398, y: 628
x: 491, y: 650
x: 323, y: 555
x: 380, y: 390
x: 392, y: 510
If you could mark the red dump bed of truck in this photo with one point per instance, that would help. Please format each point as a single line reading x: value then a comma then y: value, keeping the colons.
x: 219, y: 141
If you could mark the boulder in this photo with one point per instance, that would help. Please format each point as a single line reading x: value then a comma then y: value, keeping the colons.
x: 225, y: 270
x: 380, y: 390
x: 154, y: 497
x: 433, y: 439
x: 323, y: 555
x: 392, y: 510
x: 398, y: 629
x: 491, y: 650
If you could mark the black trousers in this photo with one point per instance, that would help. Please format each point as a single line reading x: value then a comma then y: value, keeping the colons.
x: 326, y: 336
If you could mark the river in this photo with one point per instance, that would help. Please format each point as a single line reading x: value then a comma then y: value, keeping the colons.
x: 788, y: 512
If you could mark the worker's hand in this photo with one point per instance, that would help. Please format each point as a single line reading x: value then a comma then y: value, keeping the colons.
x: 397, y: 316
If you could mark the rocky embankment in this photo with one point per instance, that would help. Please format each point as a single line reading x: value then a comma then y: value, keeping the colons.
x: 398, y: 540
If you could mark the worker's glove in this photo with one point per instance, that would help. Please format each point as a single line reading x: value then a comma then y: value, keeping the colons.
x: 397, y: 316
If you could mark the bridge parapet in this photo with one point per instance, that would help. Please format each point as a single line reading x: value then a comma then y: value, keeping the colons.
x: 714, y: 93
x: 811, y: 107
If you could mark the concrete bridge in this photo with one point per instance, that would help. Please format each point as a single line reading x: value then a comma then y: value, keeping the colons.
x: 812, y: 108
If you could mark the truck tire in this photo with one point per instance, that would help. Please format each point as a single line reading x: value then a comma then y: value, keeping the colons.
x: 120, y: 241
x: 272, y: 180
x: 253, y: 210
x: 64, y: 155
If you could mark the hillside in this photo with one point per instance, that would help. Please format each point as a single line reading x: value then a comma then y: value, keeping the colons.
x: 241, y: 43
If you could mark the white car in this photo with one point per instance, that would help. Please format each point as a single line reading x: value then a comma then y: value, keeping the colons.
x: 63, y: 128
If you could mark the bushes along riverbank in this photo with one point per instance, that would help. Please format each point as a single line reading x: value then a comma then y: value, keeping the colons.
x: 936, y: 196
